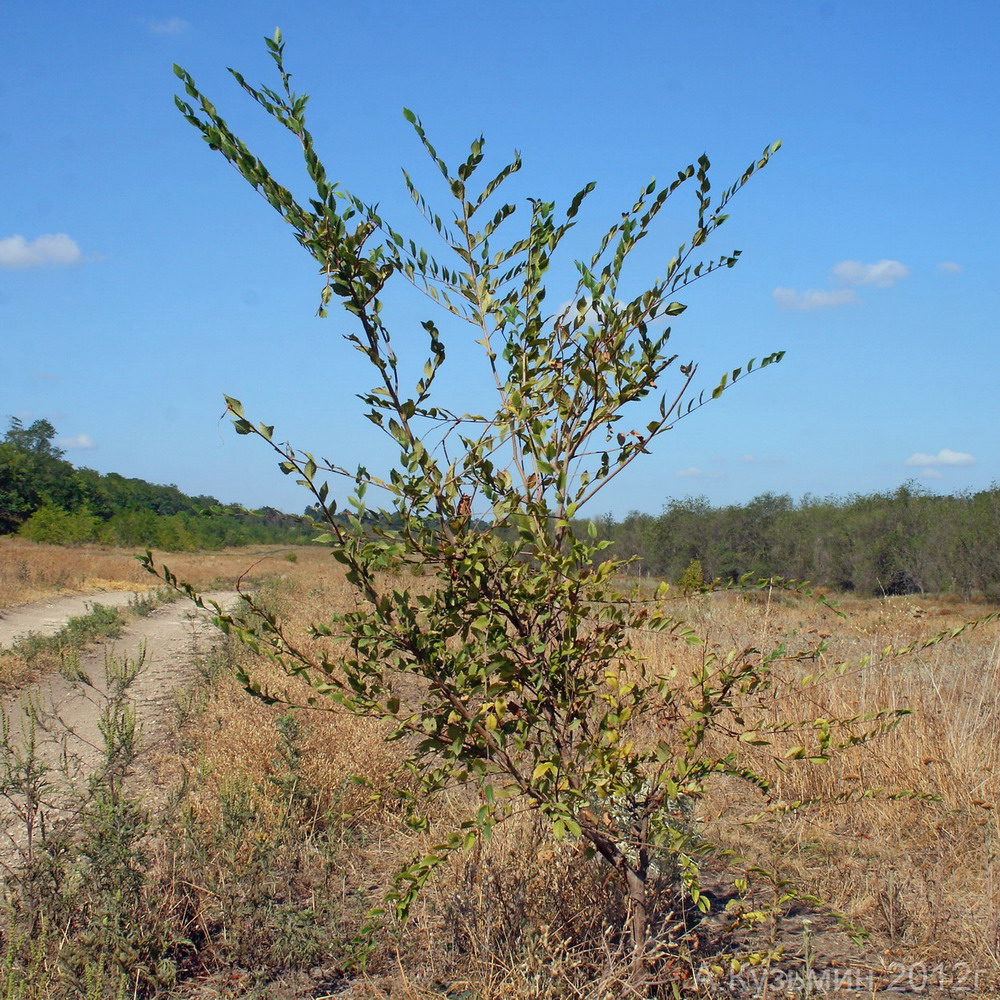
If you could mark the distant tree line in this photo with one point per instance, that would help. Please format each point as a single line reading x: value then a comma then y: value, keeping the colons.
x: 45, y: 498
x: 904, y: 541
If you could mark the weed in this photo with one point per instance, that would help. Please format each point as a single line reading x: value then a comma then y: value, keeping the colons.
x: 143, y: 605
x: 35, y: 654
x: 101, y: 622
x: 23, y: 971
x: 80, y: 859
x: 25, y: 780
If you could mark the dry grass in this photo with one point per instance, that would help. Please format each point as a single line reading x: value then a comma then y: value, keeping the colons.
x: 274, y: 854
x: 919, y: 875
x: 32, y: 572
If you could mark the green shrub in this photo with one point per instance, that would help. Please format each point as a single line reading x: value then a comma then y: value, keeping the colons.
x: 692, y: 579
x: 54, y: 526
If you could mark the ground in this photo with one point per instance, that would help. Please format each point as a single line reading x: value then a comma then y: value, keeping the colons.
x: 917, y: 873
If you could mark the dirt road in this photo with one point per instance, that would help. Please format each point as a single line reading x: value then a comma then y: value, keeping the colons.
x: 166, y: 644
x: 47, y: 617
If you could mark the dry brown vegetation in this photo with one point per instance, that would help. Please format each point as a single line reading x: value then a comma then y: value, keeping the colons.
x: 32, y: 572
x: 919, y: 873
x: 271, y: 854
x: 516, y: 917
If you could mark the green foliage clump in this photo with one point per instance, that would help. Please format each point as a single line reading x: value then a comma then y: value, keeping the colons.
x: 53, y: 525
x: 32, y: 472
x: 692, y: 579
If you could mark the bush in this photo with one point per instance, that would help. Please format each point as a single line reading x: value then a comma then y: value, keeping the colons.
x: 487, y: 632
x: 54, y: 526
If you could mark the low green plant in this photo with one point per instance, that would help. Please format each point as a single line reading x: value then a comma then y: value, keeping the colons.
x: 143, y: 605
x: 692, y: 579
x: 60, y: 650
x: 302, y: 800
x: 26, y: 780
x: 24, y: 974
x: 81, y: 858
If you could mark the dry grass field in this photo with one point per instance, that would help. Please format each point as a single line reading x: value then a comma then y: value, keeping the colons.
x: 32, y: 572
x: 919, y: 873
x: 262, y: 865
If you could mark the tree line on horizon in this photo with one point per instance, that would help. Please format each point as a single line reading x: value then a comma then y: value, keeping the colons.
x: 903, y: 541
x: 45, y: 498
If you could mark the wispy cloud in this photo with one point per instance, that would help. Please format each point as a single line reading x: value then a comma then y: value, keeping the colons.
x: 759, y: 460
x: 944, y: 457
x: 171, y: 26
x: 694, y: 472
x: 52, y: 249
x: 849, y: 273
x: 931, y: 474
x: 882, y: 274
x: 813, y: 298
x: 950, y: 267
x: 76, y: 441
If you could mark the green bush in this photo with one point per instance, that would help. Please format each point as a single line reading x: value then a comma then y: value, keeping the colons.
x: 54, y: 526
x: 692, y: 579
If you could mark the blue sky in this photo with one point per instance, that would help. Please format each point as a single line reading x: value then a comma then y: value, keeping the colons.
x: 140, y: 278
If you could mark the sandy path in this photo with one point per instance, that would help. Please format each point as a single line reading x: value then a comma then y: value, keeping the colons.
x: 169, y: 642
x: 47, y: 617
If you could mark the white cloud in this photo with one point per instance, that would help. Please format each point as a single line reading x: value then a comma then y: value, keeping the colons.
x: 694, y: 472
x: 813, y: 298
x: 881, y: 275
x: 850, y: 273
x: 52, y: 248
x: 77, y: 441
x: 950, y: 267
x: 931, y: 474
x: 944, y: 457
x: 759, y: 460
x: 171, y: 26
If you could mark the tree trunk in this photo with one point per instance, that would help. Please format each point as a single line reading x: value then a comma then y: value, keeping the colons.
x: 638, y: 922
x: 634, y: 879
